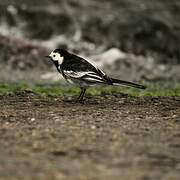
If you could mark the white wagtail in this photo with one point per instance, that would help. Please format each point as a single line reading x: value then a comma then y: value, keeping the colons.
x: 81, y: 72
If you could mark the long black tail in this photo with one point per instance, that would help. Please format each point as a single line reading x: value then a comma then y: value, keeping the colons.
x: 126, y: 83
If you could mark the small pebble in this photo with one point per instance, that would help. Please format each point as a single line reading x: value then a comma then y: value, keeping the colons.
x: 33, y: 119
x: 93, y: 127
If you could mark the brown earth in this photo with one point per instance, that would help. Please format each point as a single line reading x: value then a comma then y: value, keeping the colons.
x: 110, y: 137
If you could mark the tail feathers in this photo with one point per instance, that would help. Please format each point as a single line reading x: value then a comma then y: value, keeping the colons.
x: 126, y: 83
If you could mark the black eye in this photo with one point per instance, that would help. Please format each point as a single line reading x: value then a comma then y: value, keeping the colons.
x: 54, y: 55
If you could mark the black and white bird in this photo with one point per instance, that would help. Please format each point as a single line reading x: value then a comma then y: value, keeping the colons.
x: 81, y: 72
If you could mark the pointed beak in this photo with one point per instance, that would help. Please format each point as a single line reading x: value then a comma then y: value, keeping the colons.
x: 47, y: 56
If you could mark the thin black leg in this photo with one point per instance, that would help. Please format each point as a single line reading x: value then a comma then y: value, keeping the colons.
x: 80, y: 94
x: 80, y: 98
x: 83, y: 92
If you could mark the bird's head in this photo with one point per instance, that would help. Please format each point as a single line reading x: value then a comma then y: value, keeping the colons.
x: 58, y: 55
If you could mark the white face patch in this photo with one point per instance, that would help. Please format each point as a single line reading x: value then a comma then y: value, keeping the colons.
x: 57, y: 57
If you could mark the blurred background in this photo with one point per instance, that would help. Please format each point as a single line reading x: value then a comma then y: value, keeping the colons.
x: 132, y: 40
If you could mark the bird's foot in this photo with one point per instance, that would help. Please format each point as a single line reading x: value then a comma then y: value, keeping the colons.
x: 80, y: 100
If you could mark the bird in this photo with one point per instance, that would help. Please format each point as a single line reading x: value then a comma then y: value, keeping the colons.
x: 82, y: 72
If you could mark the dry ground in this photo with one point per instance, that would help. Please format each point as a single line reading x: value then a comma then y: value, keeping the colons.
x: 110, y: 137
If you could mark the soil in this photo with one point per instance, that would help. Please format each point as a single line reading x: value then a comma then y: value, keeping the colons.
x: 106, y: 137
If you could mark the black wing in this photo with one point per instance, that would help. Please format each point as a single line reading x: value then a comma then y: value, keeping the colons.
x: 77, y: 67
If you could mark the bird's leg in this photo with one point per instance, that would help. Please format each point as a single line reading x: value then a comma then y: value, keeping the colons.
x: 80, y: 94
x: 80, y: 98
x: 84, y: 90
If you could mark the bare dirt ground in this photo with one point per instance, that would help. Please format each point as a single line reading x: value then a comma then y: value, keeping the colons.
x: 110, y: 137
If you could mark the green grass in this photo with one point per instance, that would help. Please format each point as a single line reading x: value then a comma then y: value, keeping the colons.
x: 54, y: 90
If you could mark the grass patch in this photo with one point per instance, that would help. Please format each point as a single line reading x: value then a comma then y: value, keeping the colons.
x: 54, y: 90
